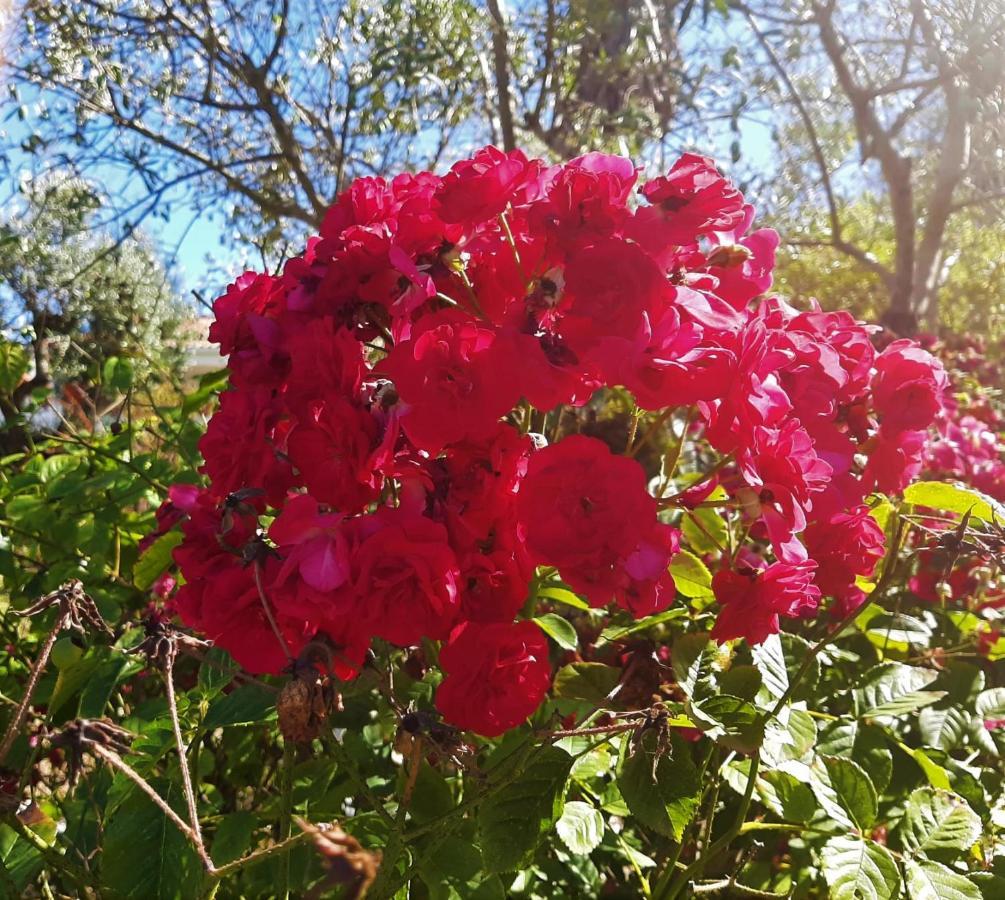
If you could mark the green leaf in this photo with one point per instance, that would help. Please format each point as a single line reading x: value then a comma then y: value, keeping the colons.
x: 943, y: 728
x: 862, y: 742
x: 791, y: 739
x: 730, y: 721
x: 690, y: 575
x: 939, y: 820
x: 21, y: 859
x: 898, y: 631
x: 786, y: 796
x: 431, y: 794
x: 613, y: 633
x: 512, y: 820
x: 217, y: 670
x: 715, y: 534
x: 248, y: 704
x: 559, y: 630
x: 991, y: 704
x: 14, y: 365
x: 795, y: 649
x: 155, y: 559
x: 927, y: 880
x: 581, y: 827
x: 769, y: 657
x: 209, y: 384
x: 845, y: 791
x: 144, y: 856
x: 955, y: 498
x: 668, y: 803
x: 563, y: 595
x: 784, y: 793
x: 233, y: 836
x: 591, y: 682
x: 691, y: 657
x: 857, y: 869
x: 894, y: 689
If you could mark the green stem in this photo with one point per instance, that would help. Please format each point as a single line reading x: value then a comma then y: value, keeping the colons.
x: 719, y: 846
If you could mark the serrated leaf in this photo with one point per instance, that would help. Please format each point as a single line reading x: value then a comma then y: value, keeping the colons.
x: 991, y: 704
x: 581, y: 827
x: 691, y: 576
x: 795, y: 649
x: 155, y: 559
x: 792, y: 739
x: 862, y: 742
x: 844, y: 791
x: 927, y: 880
x: 233, y: 836
x: 857, y: 869
x: 785, y: 794
x: 769, y: 657
x: 898, y: 630
x: 956, y: 498
x: 731, y: 721
x: 216, y: 671
x: 669, y: 803
x: 512, y: 821
x: 939, y: 820
x: 587, y: 681
x: 559, y: 630
x: 691, y: 657
x: 943, y: 729
x: 894, y: 689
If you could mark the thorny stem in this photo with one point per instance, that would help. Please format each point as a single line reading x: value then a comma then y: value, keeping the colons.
x: 186, y: 775
x: 119, y: 764
x: 259, y: 855
x: 14, y: 728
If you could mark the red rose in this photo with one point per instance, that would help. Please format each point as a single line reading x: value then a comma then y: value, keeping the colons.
x: 496, y: 676
x: 611, y: 285
x: 693, y: 199
x: 239, y: 445
x: 844, y: 546
x: 479, y: 188
x: 454, y: 380
x: 908, y: 387
x: 331, y: 447
x: 585, y: 511
x: 404, y: 577
x: 751, y: 601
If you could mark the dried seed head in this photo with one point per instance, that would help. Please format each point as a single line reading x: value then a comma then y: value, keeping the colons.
x: 77, y: 608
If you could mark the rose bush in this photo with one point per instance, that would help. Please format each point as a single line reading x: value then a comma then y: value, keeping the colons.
x: 570, y: 561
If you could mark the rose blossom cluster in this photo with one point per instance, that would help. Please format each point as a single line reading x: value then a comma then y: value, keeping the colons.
x: 968, y: 447
x: 378, y: 466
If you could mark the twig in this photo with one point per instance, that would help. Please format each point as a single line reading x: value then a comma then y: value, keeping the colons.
x: 15, y: 725
x: 186, y: 775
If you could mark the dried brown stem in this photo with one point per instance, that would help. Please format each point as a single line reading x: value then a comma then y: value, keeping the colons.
x: 14, y: 728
